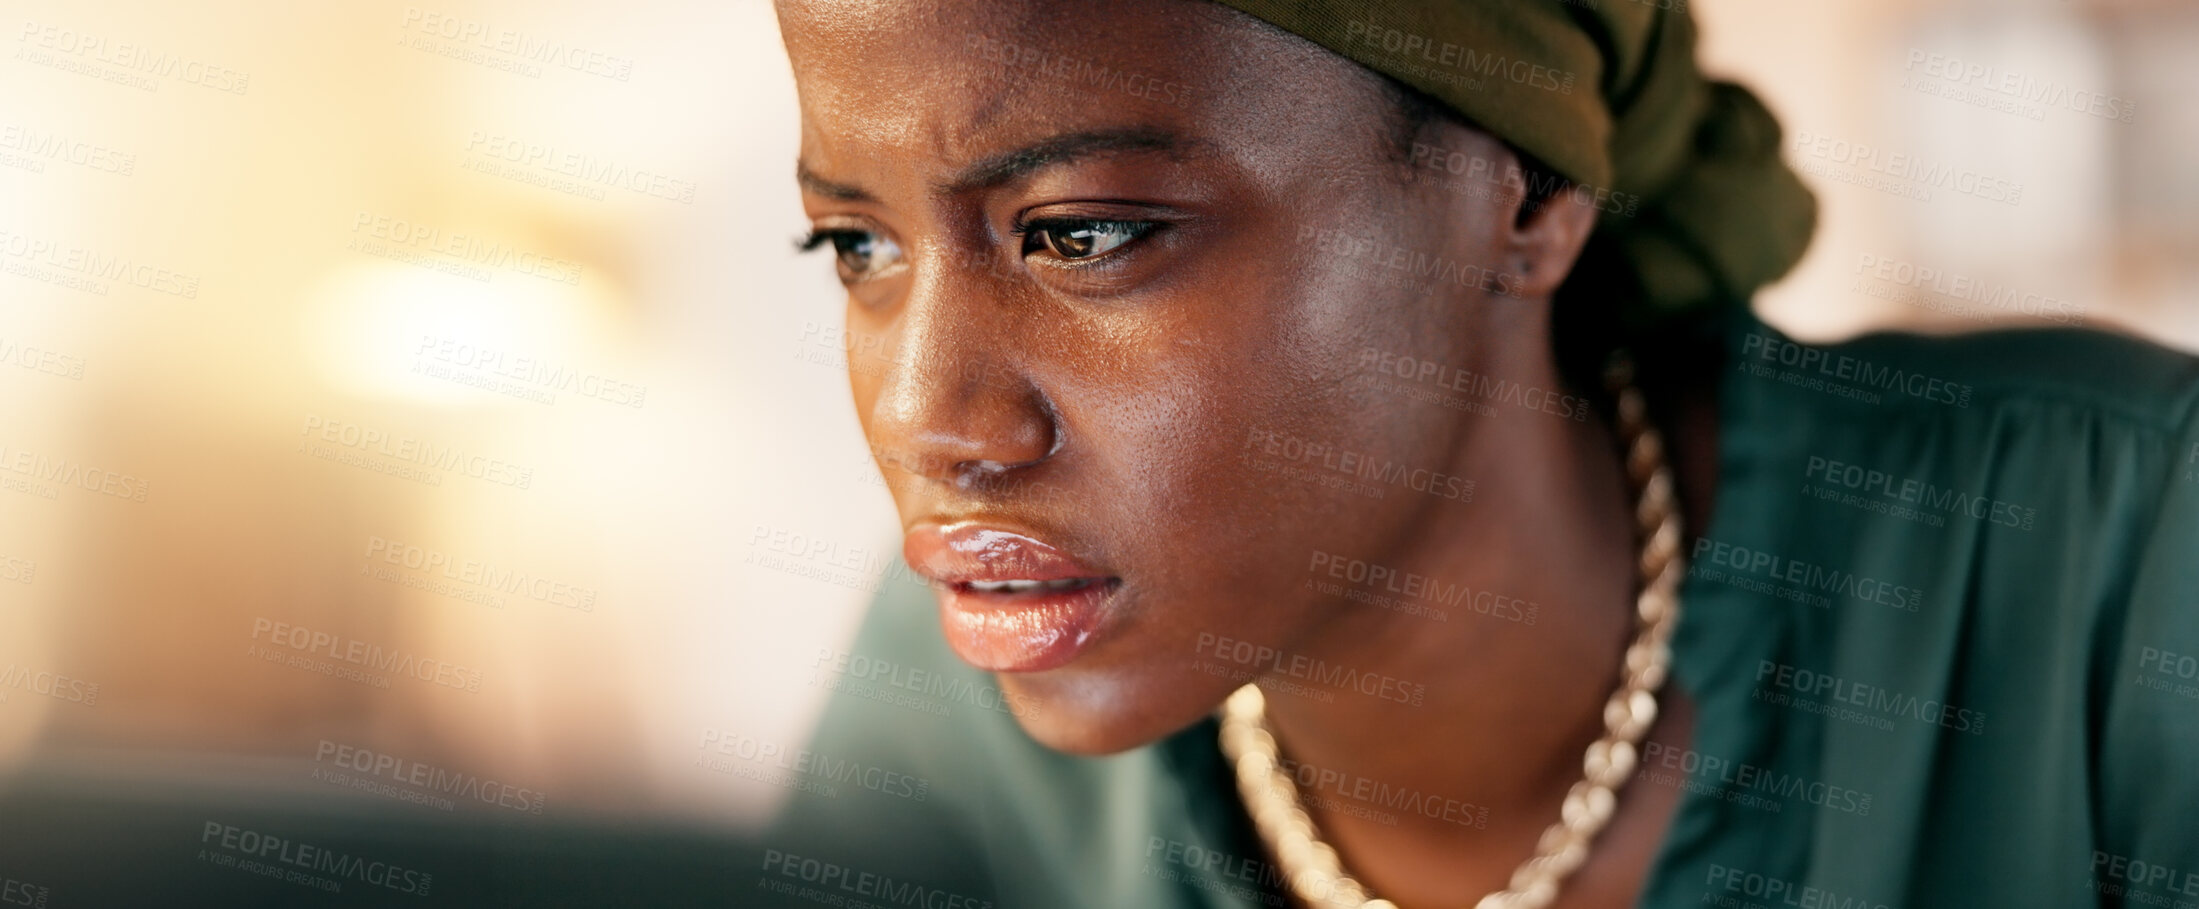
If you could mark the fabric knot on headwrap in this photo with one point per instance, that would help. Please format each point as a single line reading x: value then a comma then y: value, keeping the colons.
x: 1607, y: 94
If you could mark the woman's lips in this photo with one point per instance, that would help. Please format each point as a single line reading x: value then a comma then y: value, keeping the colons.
x: 1008, y: 602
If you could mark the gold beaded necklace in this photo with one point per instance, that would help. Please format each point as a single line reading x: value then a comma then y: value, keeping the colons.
x: 1311, y: 866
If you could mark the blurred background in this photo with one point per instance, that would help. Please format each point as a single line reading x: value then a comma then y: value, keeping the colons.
x: 431, y: 392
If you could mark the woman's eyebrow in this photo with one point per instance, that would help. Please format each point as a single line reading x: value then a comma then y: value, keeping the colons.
x: 1058, y: 150
x: 827, y: 188
x: 1007, y: 166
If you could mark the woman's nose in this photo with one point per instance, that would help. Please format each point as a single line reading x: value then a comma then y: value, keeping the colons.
x: 958, y: 404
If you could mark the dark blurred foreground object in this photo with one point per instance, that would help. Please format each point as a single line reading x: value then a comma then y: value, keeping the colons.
x: 241, y: 837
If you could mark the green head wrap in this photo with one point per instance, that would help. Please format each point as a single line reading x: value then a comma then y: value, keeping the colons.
x: 1607, y: 94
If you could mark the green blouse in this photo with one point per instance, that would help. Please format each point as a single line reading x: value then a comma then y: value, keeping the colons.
x: 1942, y: 631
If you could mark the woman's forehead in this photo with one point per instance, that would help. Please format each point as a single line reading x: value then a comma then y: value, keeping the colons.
x: 951, y: 85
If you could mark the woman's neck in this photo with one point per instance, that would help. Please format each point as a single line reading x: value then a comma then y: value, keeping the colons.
x: 1461, y: 783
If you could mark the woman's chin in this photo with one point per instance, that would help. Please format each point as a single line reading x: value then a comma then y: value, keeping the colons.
x: 1077, y: 713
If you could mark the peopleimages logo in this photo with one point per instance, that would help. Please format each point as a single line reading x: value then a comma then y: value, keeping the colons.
x: 1769, y: 349
x: 1208, y: 864
x: 1922, y: 174
x: 351, y: 650
x: 929, y: 691
x: 50, y: 684
x: 498, y: 578
x: 1765, y: 890
x: 23, y: 893
x: 1408, y: 264
x: 1510, y: 176
x: 1373, y: 577
x: 1758, y: 562
x: 1990, y: 297
x: 1870, y: 697
x: 130, y: 63
x: 1359, y: 465
x: 1069, y: 70
x: 2021, y: 87
x: 815, y: 766
x: 591, y: 171
x: 1737, y: 776
x: 516, y: 45
x: 1451, y: 378
x: 378, y: 765
x: 2124, y: 874
x: 1919, y: 492
x: 87, y: 269
x: 52, y: 146
x: 1269, y: 660
x: 1313, y: 780
x: 232, y: 841
x: 42, y: 475
x: 407, y: 451
x: 1457, y: 58
x: 842, y: 885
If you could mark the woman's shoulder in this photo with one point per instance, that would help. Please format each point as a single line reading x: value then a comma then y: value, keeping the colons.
x: 2153, y: 386
x: 2064, y: 457
x: 2068, y: 458
x: 1946, y: 578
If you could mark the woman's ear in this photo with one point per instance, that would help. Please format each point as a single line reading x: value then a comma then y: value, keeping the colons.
x: 1545, y: 237
x: 1535, y: 243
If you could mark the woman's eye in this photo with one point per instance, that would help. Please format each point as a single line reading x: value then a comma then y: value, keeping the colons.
x: 859, y: 254
x: 1081, y: 240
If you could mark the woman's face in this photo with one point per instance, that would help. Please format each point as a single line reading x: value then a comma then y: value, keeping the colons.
x: 1121, y: 281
